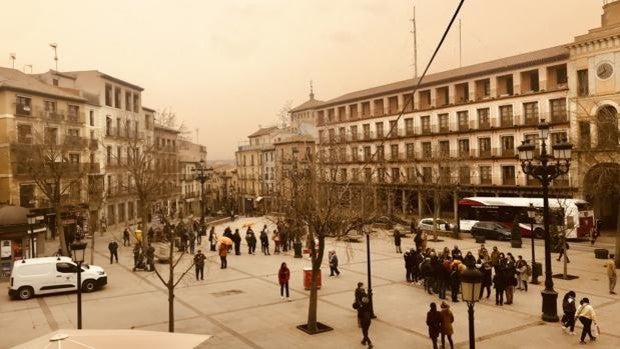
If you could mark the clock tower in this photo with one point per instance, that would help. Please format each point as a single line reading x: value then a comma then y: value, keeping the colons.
x: 594, y: 104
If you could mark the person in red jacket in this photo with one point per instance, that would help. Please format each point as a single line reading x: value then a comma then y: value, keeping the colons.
x: 283, y: 276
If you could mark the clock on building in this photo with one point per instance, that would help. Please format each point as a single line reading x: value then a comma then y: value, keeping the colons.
x: 604, y: 70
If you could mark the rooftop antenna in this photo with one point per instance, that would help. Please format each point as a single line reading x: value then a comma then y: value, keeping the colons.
x: 28, y: 66
x: 13, y: 57
x: 55, y: 47
x: 415, y: 46
x: 460, y: 46
x: 311, y: 90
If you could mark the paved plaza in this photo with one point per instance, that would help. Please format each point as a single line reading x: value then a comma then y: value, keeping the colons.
x: 241, y: 306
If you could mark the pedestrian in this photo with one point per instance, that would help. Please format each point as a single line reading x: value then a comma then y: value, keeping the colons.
x: 284, y: 274
x: 522, y: 273
x: 250, y: 239
x: 264, y: 241
x: 487, y: 279
x: 455, y: 284
x: 495, y: 254
x: 469, y: 260
x: 137, y: 254
x: 426, y: 274
x: 456, y: 253
x: 276, y: 241
x: 408, y: 266
x: 417, y: 239
x: 499, y: 283
x: 212, y: 238
x: 223, y: 252
x: 113, y: 247
x: 200, y: 230
x: 563, y: 249
x: 192, y: 241
x: 586, y: 315
x: 333, y: 264
x: 443, y: 276
x: 126, y: 237
x: 483, y: 253
x: 434, y: 323
x: 360, y: 293
x: 236, y: 238
x: 228, y: 233
x: 364, y: 314
x: 569, y: 308
x: 397, y: 241
x: 610, y: 265
x: 510, y: 272
x: 150, y: 257
x: 596, y: 231
x: 199, y: 263
x: 447, y: 318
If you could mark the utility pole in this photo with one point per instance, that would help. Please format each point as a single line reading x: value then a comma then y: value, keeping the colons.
x: 415, y: 46
x: 13, y: 56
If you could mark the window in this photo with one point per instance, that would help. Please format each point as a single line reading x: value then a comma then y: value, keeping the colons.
x: 393, y: 105
x: 484, y: 147
x: 23, y: 106
x: 66, y: 268
x: 444, y: 149
x: 354, y: 132
x: 128, y: 101
x: 136, y: 102
x: 558, y: 137
x: 108, y: 154
x: 409, y: 126
x: 365, y: 109
x: 49, y: 106
x: 379, y: 129
x: 380, y: 153
x: 73, y: 113
x: 411, y: 174
x: 117, y: 97
x: 483, y: 89
x: 426, y: 124
x: 51, y: 135
x: 26, y: 195
x: 342, y: 134
x: 508, y: 175
x: 393, y: 131
x: 130, y: 211
x: 330, y: 115
x: 55, y: 82
x: 395, y: 175
x: 427, y: 174
x: 427, y: 149
x: 584, y: 135
x: 368, y: 174
x: 485, y: 175
x: 508, y: 146
x: 354, y: 154
x: 464, y: 148
x: 366, y: 131
x: 558, y: 110
x: 583, y: 88
x: 343, y: 174
x: 379, y: 107
x: 484, y: 121
x: 332, y: 135
x: 464, y: 175
x: 353, y: 111
x: 408, y: 100
x: 367, y: 153
x: 121, y: 210
x: 91, y: 118
x: 443, y: 96
x: 444, y: 125
x: 410, y: 151
x: 24, y: 134
x: 108, y: 95
x: 463, y: 117
x: 506, y: 116
x: 530, y: 112
x: 394, y: 151
x: 355, y: 174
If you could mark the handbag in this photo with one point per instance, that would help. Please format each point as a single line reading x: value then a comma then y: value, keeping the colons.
x: 356, y: 305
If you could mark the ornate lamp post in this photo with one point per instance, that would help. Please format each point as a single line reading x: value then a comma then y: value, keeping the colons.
x: 545, y: 168
x: 32, y: 220
x: 77, y: 249
x: 531, y: 214
x: 367, y: 232
x: 201, y: 176
x: 471, y: 283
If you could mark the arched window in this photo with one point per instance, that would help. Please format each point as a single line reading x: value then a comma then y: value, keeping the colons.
x: 607, y: 122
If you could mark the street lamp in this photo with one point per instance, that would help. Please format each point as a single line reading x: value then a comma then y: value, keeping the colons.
x: 32, y: 220
x: 531, y: 214
x: 545, y: 168
x: 369, y: 272
x: 471, y: 284
x: 77, y: 250
x: 201, y: 176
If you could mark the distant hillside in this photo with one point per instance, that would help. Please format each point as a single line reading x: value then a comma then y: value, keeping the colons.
x: 221, y: 163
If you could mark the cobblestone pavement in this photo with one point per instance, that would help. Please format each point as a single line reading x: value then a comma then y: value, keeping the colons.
x: 241, y: 306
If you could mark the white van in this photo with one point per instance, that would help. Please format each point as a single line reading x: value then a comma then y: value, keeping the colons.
x: 45, y: 275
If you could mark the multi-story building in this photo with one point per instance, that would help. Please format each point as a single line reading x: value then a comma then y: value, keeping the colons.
x: 462, y: 126
x: 166, y: 163
x: 292, y: 152
x: 189, y: 155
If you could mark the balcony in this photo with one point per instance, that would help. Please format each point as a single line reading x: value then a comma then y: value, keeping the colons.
x: 444, y: 128
x: 508, y: 152
x: 426, y: 130
x: 507, y: 121
x: 409, y: 131
x: 531, y: 120
x: 463, y: 127
x: 486, y: 180
x: 558, y: 118
x: 508, y: 181
x: 465, y: 153
x: 484, y: 153
x: 23, y: 110
x: 75, y: 118
x: 75, y: 142
x: 484, y: 125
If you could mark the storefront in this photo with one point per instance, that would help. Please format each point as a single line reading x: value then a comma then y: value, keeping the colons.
x: 18, y: 239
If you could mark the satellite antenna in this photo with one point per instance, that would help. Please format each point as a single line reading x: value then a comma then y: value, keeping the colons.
x: 55, y: 47
x: 13, y: 56
x: 28, y: 66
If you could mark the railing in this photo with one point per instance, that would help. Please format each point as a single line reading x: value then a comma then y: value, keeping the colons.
x: 23, y: 109
x: 76, y: 118
x: 531, y: 120
x: 507, y: 121
x: 509, y: 181
x: 75, y: 142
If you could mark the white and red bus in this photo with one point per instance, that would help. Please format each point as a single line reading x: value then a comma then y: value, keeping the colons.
x: 578, y: 214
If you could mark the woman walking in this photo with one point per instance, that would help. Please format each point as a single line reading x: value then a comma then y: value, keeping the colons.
x: 434, y: 323
x: 284, y: 274
x: 569, y: 307
x: 499, y: 283
x: 586, y: 315
x: 333, y: 264
x: 365, y: 318
x: 447, y: 318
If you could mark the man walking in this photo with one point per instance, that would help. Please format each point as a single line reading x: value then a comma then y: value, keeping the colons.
x: 397, y: 241
x: 126, y: 237
x: 333, y: 264
x: 199, y: 262
x: 610, y: 265
x: 113, y: 247
x: 150, y: 257
x: 364, y: 314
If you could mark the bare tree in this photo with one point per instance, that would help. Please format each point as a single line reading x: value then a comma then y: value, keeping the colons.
x: 52, y: 161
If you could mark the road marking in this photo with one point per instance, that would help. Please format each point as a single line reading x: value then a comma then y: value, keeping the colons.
x: 47, y: 313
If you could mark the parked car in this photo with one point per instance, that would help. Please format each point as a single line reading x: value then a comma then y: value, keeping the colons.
x: 491, y: 230
x: 442, y: 224
x: 35, y: 276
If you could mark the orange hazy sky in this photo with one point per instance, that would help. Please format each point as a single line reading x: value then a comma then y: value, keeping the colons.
x: 227, y: 66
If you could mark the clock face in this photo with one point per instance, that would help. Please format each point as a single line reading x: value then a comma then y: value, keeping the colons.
x: 604, y: 70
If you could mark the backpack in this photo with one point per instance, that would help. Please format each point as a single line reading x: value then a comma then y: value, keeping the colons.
x: 528, y: 270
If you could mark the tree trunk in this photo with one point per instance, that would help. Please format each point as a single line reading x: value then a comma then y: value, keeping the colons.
x: 317, y: 258
x: 144, y: 216
x: 61, y: 231
x: 170, y: 286
x: 617, y: 260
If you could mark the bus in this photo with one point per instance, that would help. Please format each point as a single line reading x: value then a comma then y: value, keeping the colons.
x: 575, y: 216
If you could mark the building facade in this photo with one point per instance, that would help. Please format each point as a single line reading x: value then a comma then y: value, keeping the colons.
x: 189, y: 155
